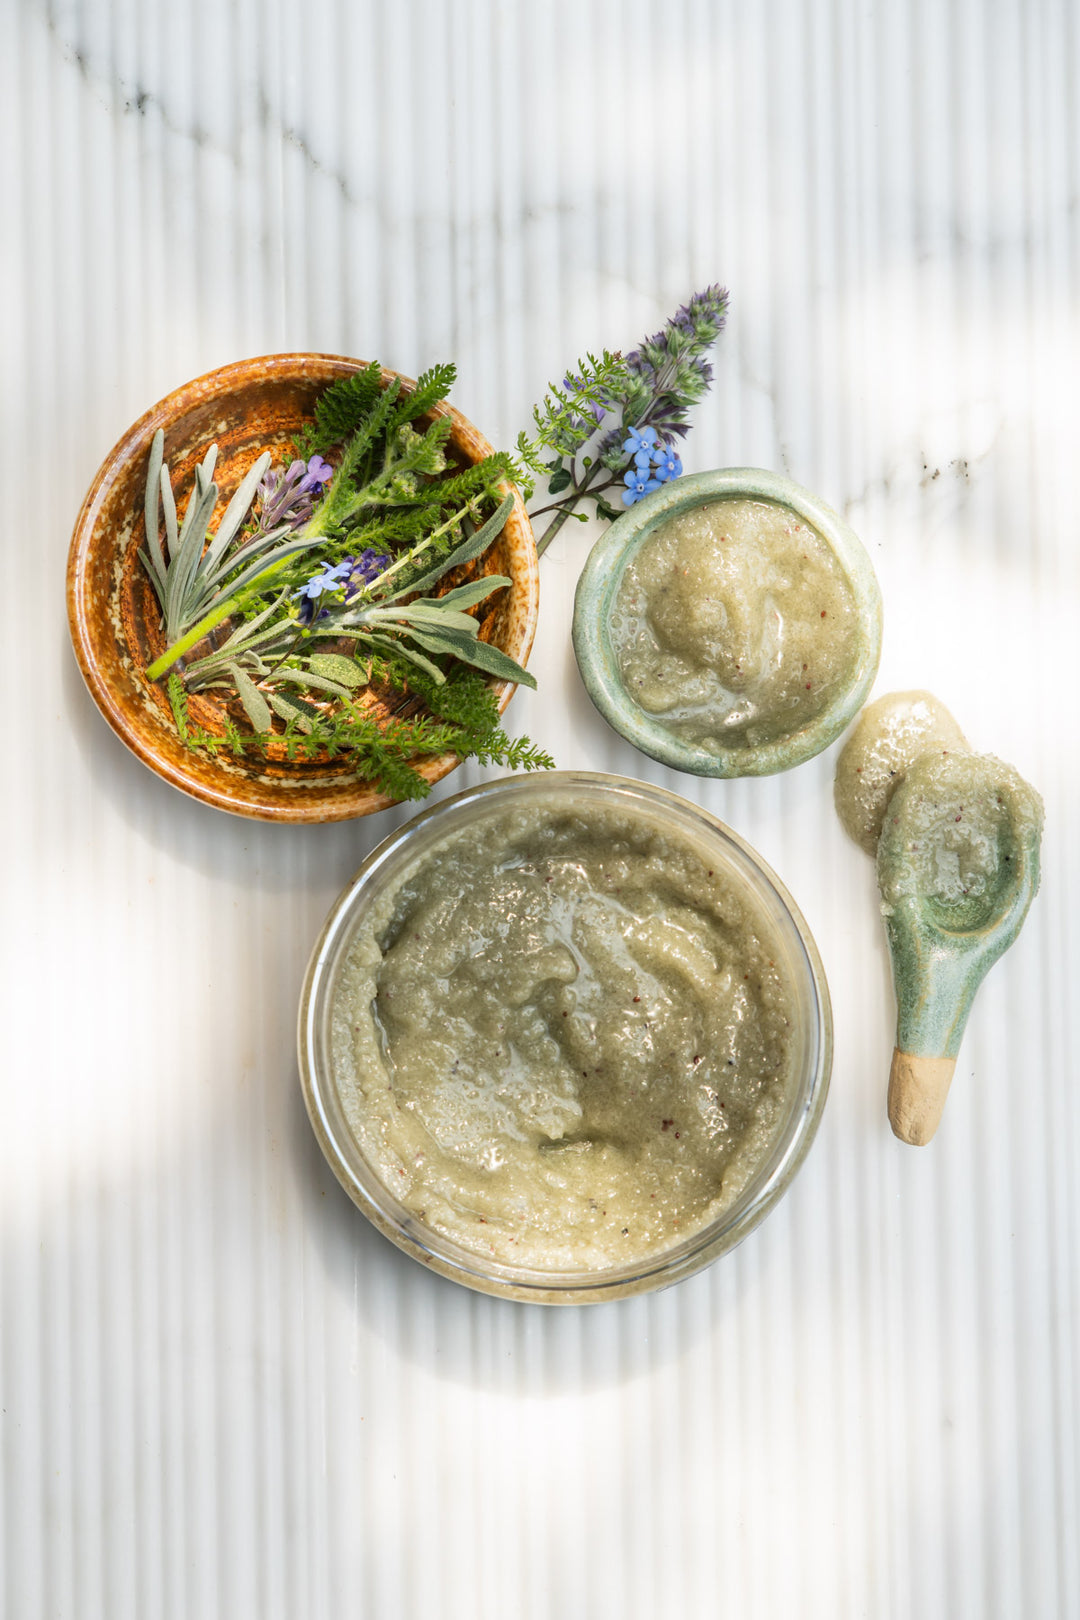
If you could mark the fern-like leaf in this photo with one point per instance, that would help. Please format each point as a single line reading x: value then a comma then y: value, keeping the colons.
x: 343, y: 408
x: 431, y: 389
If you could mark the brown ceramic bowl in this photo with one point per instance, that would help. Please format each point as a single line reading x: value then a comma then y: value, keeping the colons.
x: 113, y: 612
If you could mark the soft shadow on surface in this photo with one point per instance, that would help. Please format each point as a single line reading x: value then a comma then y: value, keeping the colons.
x: 216, y: 843
x: 452, y: 1332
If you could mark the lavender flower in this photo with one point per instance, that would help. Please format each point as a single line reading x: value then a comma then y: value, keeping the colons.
x: 319, y: 473
x: 362, y: 570
x: 287, y: 498
x: 668, y: 374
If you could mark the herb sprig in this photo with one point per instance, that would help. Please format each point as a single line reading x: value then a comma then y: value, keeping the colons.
x: 613, y: 426
x: 308, y: 654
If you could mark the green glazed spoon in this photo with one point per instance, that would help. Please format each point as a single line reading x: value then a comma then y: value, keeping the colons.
x: 958, y: 868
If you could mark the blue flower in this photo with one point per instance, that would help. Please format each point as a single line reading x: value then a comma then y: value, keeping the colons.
x: 329, y: 580
x: 640, y: 441
x: 668, y: 465
x: 638, y: 483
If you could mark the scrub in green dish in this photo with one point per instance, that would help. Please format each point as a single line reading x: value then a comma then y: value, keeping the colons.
x: 888, y: 737
x: 564, y: 1040
x: 957, y: 839
x: 735, y: 625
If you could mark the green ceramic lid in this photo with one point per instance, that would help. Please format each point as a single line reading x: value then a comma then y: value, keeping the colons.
x: 599, y: 585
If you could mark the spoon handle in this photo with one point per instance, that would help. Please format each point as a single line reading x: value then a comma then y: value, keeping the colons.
x: 918, y: 1087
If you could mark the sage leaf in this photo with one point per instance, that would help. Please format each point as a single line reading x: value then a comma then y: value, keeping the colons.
x: 156, y: 579
x: 401, y: 649
x: 168, y: 502
x: 152, y: 506
x: 235, y: 513
x: 255, y: 705
x: 291, y: 708
x: 336, y: 667
x: 481, y: 654
x: 420, y: 613
x: 179, y: 611
x: 466, y: 596
x: 305, y: 677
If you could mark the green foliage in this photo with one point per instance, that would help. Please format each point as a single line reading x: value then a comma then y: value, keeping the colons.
x: 174, y: 688
x: 341, y: 410
x: 567, y: 416
x: 431, y: 389
x: 392, y: 494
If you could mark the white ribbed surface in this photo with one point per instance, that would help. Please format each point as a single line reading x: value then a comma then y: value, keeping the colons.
x: 223, y: 1395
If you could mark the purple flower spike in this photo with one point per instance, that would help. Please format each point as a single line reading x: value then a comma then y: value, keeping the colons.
x: 288, y: 497
x: 316, y: 476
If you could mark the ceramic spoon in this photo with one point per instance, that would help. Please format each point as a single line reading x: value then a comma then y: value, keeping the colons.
x: 958, y: 867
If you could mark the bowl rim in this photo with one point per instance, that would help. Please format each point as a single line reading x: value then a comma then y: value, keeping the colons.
x: 410, y: 1234
x: 603, y: 573
x: 227, y: 788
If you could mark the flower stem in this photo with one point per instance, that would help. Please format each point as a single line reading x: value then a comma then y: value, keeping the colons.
x: 552, y: 529
x: 211, y: 620
x: 168, y: 658
x: 566, y: 509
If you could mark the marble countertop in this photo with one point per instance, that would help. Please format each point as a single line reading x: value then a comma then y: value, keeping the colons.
x: 222, y: 1392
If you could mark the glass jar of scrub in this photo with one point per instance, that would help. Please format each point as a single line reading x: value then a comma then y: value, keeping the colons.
x: 565, y: 1038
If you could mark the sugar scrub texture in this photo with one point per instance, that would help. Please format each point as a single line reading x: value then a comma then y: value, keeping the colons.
x: 735, y: 625
x: 888, y: 737
x: 563, y: 1040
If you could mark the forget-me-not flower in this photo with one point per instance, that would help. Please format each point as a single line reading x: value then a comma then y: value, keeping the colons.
x: 638, y: 483
x: 640, y: 442
x: 667, y: 464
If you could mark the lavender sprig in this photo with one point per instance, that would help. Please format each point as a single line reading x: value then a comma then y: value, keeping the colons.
x: 288, y: 497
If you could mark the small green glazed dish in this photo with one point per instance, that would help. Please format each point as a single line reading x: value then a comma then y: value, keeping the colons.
x: 729, y: 624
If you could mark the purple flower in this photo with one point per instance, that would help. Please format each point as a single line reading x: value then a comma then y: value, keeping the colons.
x: 318, y: 475
x: 638, y: 483
x: 362, y: 570
x: 667, y: 464
x: 288, y: 497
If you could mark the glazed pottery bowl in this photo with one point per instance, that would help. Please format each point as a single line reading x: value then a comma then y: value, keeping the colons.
x: 347, y: 1078
x: 598, y: 589
x: 115, y: 620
